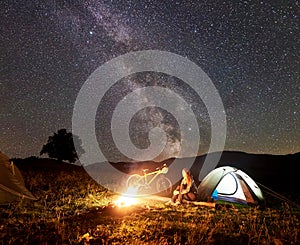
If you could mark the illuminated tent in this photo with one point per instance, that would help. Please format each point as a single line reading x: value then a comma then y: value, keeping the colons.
x: 12, y: 187
x: 229, y: 184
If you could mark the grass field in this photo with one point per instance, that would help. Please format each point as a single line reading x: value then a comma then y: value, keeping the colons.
x: 73, y: 209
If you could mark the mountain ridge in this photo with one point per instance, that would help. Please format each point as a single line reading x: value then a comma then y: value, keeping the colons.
x: 279, y: 172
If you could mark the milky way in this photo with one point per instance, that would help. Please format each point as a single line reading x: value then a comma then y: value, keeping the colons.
x: 251, y: 52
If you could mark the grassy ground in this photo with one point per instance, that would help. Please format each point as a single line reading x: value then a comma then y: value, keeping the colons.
x: 73, y: 209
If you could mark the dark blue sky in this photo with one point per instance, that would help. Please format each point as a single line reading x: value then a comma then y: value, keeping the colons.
x: 250, y: 50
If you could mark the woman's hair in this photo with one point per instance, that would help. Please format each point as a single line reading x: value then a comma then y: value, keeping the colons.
x: 188, y: 176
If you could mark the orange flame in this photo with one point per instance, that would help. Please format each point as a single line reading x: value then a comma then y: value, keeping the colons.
x: 128, y: 198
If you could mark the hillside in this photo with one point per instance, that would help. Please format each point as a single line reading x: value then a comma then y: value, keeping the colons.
x: 278, y: 172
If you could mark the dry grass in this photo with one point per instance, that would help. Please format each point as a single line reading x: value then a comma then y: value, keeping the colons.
x: 70, y: 211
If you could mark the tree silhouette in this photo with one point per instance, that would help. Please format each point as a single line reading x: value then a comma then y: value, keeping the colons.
x: 61, y: 146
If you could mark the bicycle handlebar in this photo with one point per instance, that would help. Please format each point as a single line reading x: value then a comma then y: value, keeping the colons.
x: 163, y: 169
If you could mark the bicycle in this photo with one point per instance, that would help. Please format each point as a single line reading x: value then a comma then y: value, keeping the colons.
x: 143, y: 183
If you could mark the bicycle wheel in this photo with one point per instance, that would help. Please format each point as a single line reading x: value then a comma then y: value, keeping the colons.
x: 135, y: 181
x: 164, y: 185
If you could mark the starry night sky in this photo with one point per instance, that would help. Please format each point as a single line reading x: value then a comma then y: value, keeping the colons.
x: 249, y: 49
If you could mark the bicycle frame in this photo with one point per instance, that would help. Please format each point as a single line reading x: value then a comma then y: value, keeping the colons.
x: 155, y: 173
x: 145, y: 181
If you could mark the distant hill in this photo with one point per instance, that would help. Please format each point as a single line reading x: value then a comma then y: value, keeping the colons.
x: 278, y: 172
x: 44, y: 164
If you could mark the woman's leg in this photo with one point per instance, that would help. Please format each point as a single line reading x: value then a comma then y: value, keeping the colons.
x: 174, y: 198
x: 190, y: 196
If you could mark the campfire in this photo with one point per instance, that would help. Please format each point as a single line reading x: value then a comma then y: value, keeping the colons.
x: 125, y: 204
x: 128, y: 198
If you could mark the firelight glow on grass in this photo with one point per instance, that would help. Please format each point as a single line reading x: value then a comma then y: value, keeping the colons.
x: 128, y: 198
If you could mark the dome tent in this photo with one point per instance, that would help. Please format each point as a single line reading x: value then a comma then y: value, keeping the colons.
x: 12, y: 187
x: 230, y: 184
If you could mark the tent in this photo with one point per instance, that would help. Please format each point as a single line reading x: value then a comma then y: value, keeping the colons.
x: 229, y: 184
x: 12, y: 187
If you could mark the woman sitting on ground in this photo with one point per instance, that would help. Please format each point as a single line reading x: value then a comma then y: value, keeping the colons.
x: 186, y: 190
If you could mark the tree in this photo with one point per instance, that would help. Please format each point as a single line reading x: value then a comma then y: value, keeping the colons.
x: 61, y: 146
